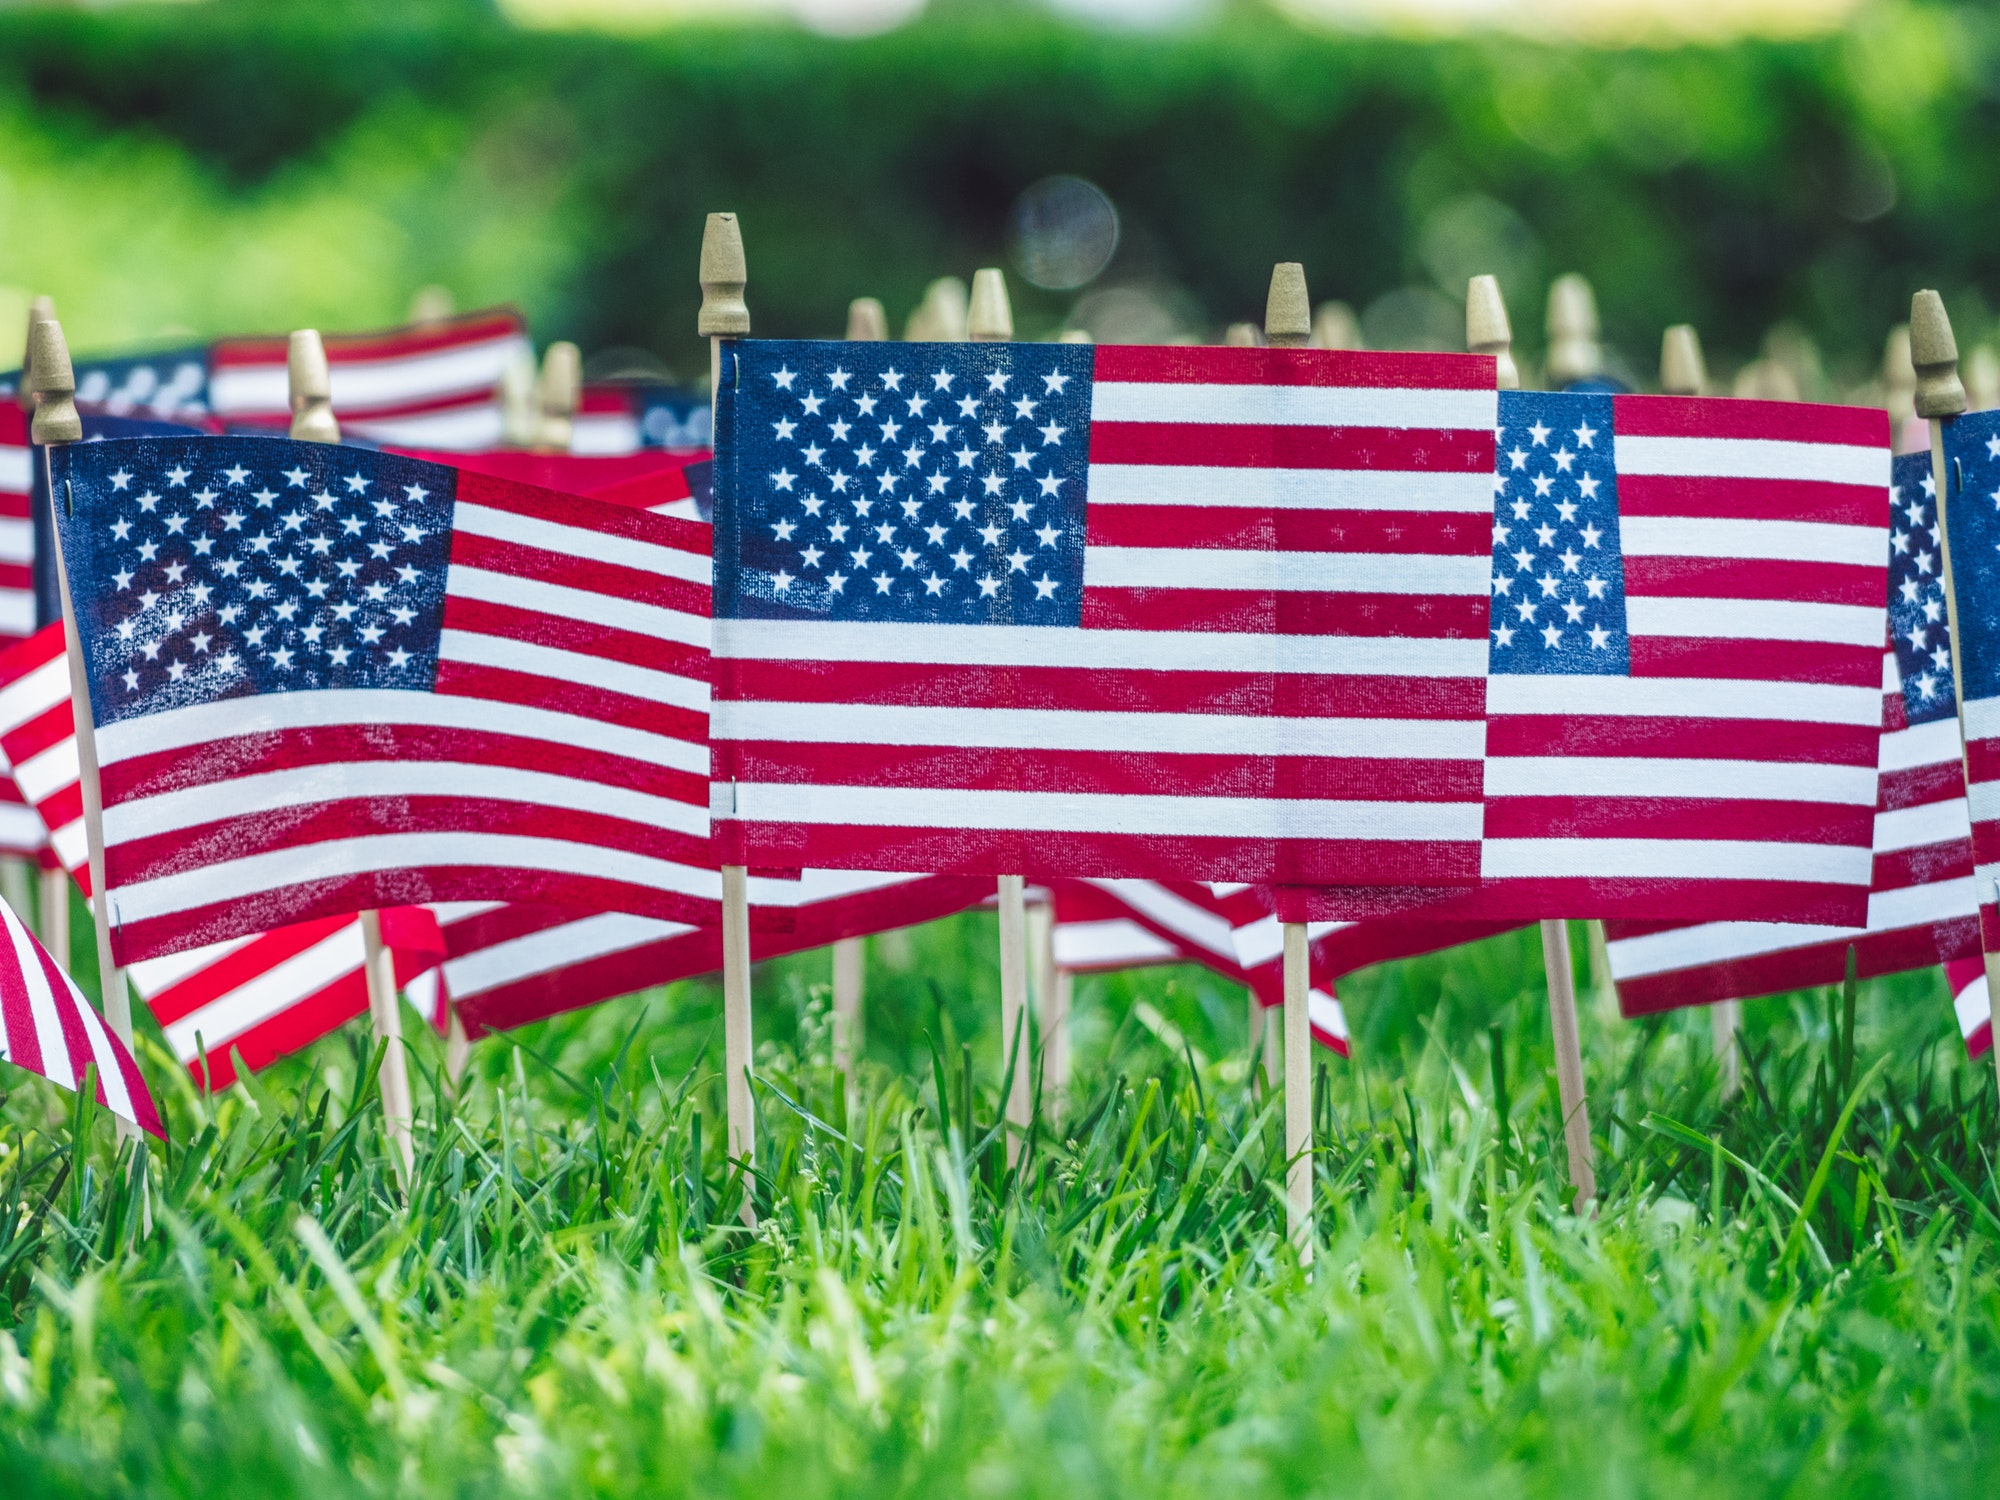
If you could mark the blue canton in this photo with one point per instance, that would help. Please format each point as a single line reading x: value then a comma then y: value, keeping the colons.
x: 1972, y: 459
x: 169, y: 384
x: 1558, y: 572
x: 1917, y: 623
x: 208, y: 568
x: 932, y: 483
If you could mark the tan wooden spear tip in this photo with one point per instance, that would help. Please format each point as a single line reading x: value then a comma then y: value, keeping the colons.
x: 1934, y: 352
x: 1487, y: 330
x: 1336, y: 327
x: 311, y: 389
x: 1981, y: 373
x: 1074, y: 336
x: 1899, y: 376
x: 520, y: 409
x: 990, y: 317
x: 867, y: 321
x: 561, y: 392
x: 431, y: 304
x: 1683, y: 372
x: 1243, y: 336
x: 41, y: 310
x: 1574, y: 351
x: 54, y: 385
x: 1287, y: 308
x: 723, y: 277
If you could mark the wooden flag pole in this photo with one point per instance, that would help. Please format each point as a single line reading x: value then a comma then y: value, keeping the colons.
x: 559, y: 393
x: 1683, y: 372
x: 311, y: 391
x: 52, y: 918
x: 1939, y: 397
x: 1052, y: 992
x: 1487, y: 331
x: 56, y: 421
x: 989, y: 319
x: 1288, y: 325
x: 724, y: 314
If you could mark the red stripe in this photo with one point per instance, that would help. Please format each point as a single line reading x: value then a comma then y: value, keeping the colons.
x: 1941, y: 781
x: 1710, y: 898
x: 575, y: 985
x: 622, y: 479
x: 1509, y: 735
x: 1746, y: 660
x: 1599, y: 817
x: 1928, y: 864
x: 1753, y: 499
x: 387, y: 344
x: 596, y: 515
x: 1719, y: 417
x: 1388, y: 938
x: 557, y: 633
x: 588, y: 575
x: 1108, y: 773
x: 1796, y: 968
x: 1347, y: 532
x: 24, y: 1043
x: 1249, y: 445
x: 1741, y: 578
x: 1205, y: 365
x: 14, y: 504
x: 496, y: 685
x: 1263, y: 612
x: 296, y: 1026
x: 1282, y: 694
x: 232, y: 970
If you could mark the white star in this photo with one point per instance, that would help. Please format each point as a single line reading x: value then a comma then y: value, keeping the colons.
x: 282, y: 658
x: 1598, y: 636
x: 1545, y: 534
x: 994, y: 484
x: 1542, y: 483
x: 1930, y: 488
x: 338, y: 656
x: 1502, y: 584
x: 385, y: 508
x: 785, y: 427
x: 295, y: 477
x: 934, y: 584
x: 859, y: 557
x: 936, y: 482
x: 934, y: 534
x: 882, y: 582
x: 864, y: 456
x: 1548, y: 583
x: 996, y: 380
x: 1521, y: 509
x: 1540, y: 434
x: 961, y: 509
x: 990, y: 534
x: 814, y: 453
x: 1586, y: 487
x: 783, y: 530
x: 1524, y: 560
x: 370, y: 634
x: 783, y: 479
x: 1926, y: 685
x: 1020, y: 508
x: 1503, y: 635
x: 783, y: 377
x: 995, y: 433
x: 1051, y: 484
x: 1584, y: 435
x: 1049, y: 535
x: 812, y: 404
x: 177, y: 476
x: 1055, y: 383
x: 1594, y: 586
x: 1552, y: 634
x: 1572, y: 612
x: 836, y: 583
x: 1526, y: 609
x: 1591, y: 536
x: 235, y: 474
x: 1024, y: 408
x: 199, y: 641
x: 1022, y: 458
x: 1017, y: 561
x: 940, y: 430
x: 121, y: 529
x: 1918, y: 637
x: 1570, y: 558
x: 885, y: 533
x: 838, y: 378
x: 121, y: 480
x: 1045, y: 587
x: 988, y: 587
x: 264, y: 497
x: 227, y: 661
x: 1941, y: 657
x: 1565, y: 511
x: 908, y: 557
x: 1564, y: 458
x: 942, y: 380
x: 148, y: 502
x: 781, y: 580
x: 1051, y: 434
x: 961, y: 561
x: 131, y: 682
x: 417, y: 493
x: 204, y: 499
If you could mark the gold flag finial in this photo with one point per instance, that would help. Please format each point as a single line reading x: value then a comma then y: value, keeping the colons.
x: 990, y: 318
x: 724, y: 274
x: 311, y: 387
x: 1487, y: 330
x: 1287, y: 309
x: 1574, y: 351
x: 1683, y: 372
x: 53, y: 383
x: 561, y: 393
x: 867, y: 321
x: 1934, y: 354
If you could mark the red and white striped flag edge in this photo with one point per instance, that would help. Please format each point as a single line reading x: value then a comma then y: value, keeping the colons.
x: 47, y: 1027
x: 1973, y: 1002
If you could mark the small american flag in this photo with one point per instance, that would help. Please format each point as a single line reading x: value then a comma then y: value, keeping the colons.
x: 431, y: 386
x: 1972, y: 513
x: 17, y: 527
x: 1170, y: 613
x: 328, y: 679
x: 168, y: 385
x: 1684, y: 705
x: 1973, y: 1003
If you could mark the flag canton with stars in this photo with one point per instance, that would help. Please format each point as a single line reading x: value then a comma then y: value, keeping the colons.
x: 915, y: 483
x: 1558, y: 575
x: 1917, y: 624
x: 1972, y: 460
x: 210, y: 568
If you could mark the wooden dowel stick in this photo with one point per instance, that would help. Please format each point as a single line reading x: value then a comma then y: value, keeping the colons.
x: 54, y: 891
x: 379, y: 965
x: 1042, y: 982
x: 1016, y: 1039
x: 1569, y: 1062
x: 1298, y: 1092
x: 457, y: 1048
x: 850, y: 979
x: 1939, y: 397
x: 1055, y: 1043
x: 1725, y: 1019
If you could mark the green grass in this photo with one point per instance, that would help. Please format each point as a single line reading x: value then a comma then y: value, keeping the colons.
x: 1796, y: 1292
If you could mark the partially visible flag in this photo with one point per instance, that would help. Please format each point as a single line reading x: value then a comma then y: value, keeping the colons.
x: 1973, y: 1002
x: 17, y: 527
x: 47, y: 1027
x: 1171, y: 613
x: 431, y: 385
x: 167, y: 385
x: 1972, y: 515
x: 328, y: 679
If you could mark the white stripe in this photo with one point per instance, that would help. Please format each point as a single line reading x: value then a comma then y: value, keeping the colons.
x: 29, y: 697
x: 1669, y: 859
x: 1753, y: 458
x: 1729, y: 536
x: 97, y: 1037
x: 605, y: 435
x: 270, y: 993
x: 585, y: 605
x: 463, y: 429
x: 1916, y: 905
x: 1215, y: 488
x: 1291, y: 405
x: 17, y: 474
x: 448, y: 912
x: 330, y: 859
x: 584, y: 542
x: 1892, y: 679
x: 72, y: 844
x: 1683, y: 698
x: 1758, y: 620
x: 1323, y: 1013
x: 1973, y: 1006
x: 574, y: 667
x: 1263, y: 941
x: 315, y: 786
x: 21, y: 829
x: 17, y: 540
x: 47, y: 772
x: 1984, y: 800
x: 1109, y: 731
x: 359, y: 387
x: 553, y: 948
x: 44, y: 1005
x: 1101, y: 650
x: 1649, y: 776
x: 1207, y: 930
x: 814, y: 886
x: 153, y: 977
x: 1918, y: 827
x: 1982, y: 718
x: 1111, y: 943
x: 273, y: 713
x: 1932, y: 744
x: 1096, y: 812
x: 1284, y: 572
x: 17, y: 612
x: 1709, y: 943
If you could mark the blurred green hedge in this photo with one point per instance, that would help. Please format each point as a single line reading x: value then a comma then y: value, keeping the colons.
x: 1816, y: 182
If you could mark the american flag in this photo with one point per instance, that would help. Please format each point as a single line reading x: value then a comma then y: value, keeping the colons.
x: 1123, y: 924
x: 327, y: 679
x: 1684, y: 708
x: 1163, y: 612
x: 1921, y: 908
x: 432, y: 385
x: 17, y: 527
x: 1972, y: 514
x: 47, y: 1027
x: 511, y: 963
x: 265, y: 995
x: 1973, y: 1003
x: 169, y: 385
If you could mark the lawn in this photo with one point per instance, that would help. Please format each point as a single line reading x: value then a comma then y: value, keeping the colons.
x: 1796, y: 1291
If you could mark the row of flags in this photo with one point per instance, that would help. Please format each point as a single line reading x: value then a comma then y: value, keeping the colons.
x: 1201, y: 640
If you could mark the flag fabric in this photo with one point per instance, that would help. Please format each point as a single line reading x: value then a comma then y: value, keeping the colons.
x: 167, y: 385
x: 47, y: 1027
x: 265, y: 995
x: 1103, y: 925
x: 646, y: 480
x: 1340, y: 948
x: 1972, y: 517
x: 1921, y: 906
x: 511, y: 963
x: 1973, y: 1002
x: 1683, y: 704
x: 432, y: 385
x: 17, y: 526
x: 1153, y: 612
x: 328, y: 679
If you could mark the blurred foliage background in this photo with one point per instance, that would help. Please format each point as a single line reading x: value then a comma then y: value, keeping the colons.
x: 172, y: 171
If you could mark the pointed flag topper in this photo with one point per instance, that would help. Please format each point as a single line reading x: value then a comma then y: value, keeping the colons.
x: 1574, y: 351
x: 41, y: 310
x: 561, y: 394
x: 310, y: 386
x: 867, y: 321
x: 1336, y: 327
x: 1934, y: 353
x: 1683, y: 372
x: 1287, y: 309
x: 1487, y: 330
x: 723, y: 277
x: 54, y: 385
x: 990, y: 318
